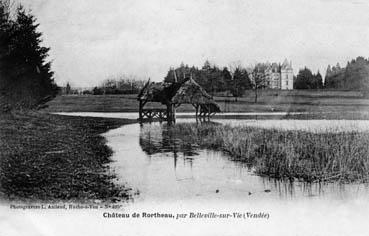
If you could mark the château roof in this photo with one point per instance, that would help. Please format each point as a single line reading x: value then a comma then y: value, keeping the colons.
x: 274, y: 67
x: 286, y: 64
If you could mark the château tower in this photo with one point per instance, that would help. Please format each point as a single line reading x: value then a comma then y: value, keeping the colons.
x: 279, y: 76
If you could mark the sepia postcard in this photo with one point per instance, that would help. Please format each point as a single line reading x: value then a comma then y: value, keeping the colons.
x: 196, y: 117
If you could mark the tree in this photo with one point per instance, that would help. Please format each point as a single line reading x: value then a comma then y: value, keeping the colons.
x: 318, y: 81
x: 210, y: 77
x: 120, y: 84
x: 28, y: 75
x: 354, y: 77
x: 258, y: 79
x: 179, y: 74
x: 97, y: 91
x: 67, y: 89
x: 304, y: 79
x: 227, y: 77
x: 240, y: 82
x: 6, y: 26
x: 329, y: 70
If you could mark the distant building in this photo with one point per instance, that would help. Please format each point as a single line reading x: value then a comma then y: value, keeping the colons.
x: 279, y: 76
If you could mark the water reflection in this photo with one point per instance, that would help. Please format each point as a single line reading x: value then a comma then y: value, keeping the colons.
x: 155, y: 139
x: 199, y: 173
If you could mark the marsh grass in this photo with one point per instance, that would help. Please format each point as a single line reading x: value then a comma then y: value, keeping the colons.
x: 308, y: 156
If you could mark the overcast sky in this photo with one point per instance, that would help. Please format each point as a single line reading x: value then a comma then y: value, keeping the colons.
x: 92, y: 39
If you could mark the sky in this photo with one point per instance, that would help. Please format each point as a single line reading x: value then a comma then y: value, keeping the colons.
x: 91, y: 40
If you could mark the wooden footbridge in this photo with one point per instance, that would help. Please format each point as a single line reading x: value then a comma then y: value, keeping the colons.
x: 154, y: 113
x: 172, y: 95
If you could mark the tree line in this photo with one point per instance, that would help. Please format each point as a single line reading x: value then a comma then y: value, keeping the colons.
x: 237, y: 80
x: 355, y: 76
x: 121, y: 84
x: 26, y: 78
x: 214, y: 79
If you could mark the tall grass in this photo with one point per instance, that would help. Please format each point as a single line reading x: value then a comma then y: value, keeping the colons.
x: 330, y: 156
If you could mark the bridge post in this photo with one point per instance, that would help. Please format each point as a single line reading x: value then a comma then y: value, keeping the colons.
x: 140, y: 108
x: 209, y: 112
x: 171, y: 113
x: 174, y: 113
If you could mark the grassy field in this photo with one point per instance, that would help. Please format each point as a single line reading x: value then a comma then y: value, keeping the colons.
x: 306, y: 156
x: 269, y: 100
x: 49, y: 157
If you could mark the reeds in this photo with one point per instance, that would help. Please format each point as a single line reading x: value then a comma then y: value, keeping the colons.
x: 308, y: 156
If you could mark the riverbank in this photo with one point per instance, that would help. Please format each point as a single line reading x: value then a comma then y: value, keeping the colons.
x: 56, y: 158
x: 307, y: 156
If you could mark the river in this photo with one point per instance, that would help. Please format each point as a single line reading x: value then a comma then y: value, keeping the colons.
x: 170, y: 179
x: 148, y: 160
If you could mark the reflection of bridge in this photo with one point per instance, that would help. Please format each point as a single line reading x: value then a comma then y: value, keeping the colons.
x: 172, y: 95
x: 164, y: 141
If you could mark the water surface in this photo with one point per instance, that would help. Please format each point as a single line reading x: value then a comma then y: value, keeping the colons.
x: 176, y: 178
x: 285, y: 124
x: 151, y: 161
